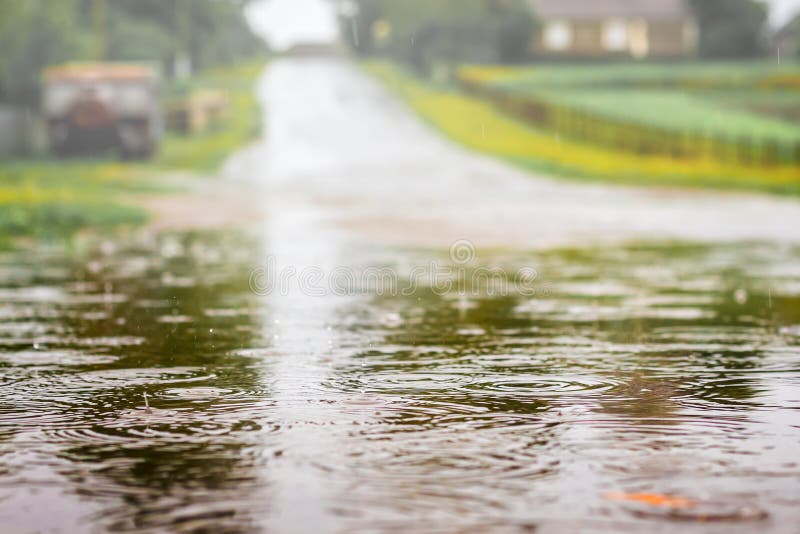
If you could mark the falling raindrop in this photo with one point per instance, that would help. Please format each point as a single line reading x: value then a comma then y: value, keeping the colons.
x: 740, y: 296
x: 392, y: 320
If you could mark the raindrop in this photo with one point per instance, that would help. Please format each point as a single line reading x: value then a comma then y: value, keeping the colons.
x: 740, y: 296
x: 107, y: 248
x: 392, y: 320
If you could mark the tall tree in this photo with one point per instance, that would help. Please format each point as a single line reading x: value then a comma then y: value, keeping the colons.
x: 37, y: 33
x: 730, y: 28
x: 34, y: 34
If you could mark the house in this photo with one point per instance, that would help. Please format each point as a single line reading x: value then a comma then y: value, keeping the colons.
x: 614, y: 28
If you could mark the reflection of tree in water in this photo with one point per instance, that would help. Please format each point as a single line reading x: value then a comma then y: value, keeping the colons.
x: 426, y: 358
x: 671, y: 330
x: 698, y: 361
x: 495, y: 369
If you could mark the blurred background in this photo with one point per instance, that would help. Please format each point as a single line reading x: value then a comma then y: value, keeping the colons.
x: 622, y: 175
x: 700, y: 92
x: 672, y: 91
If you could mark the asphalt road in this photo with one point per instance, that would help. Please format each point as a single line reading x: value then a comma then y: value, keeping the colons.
x: 352, y: 178
x: 341, y: 146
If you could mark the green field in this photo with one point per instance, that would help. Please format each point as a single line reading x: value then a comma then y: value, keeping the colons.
x: 679, y: 110
x: 781, y: 104
x: 479, y: 125
x: 755, y: 105
x: 688, y: 74
x: 48, y: 197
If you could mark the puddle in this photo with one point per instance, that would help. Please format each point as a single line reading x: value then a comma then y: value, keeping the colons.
x: 431, y: 409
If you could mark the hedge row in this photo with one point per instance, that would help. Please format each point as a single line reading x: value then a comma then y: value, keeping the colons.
x: 632, y: 137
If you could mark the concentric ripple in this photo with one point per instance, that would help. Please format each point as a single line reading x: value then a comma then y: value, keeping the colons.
x: 149, y: 381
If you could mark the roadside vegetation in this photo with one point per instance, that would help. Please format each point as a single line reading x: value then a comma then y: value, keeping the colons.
x: 48, y: 197
x: 205, y: 43
x: 476, y: 123
x: 735, y: 112
x: 174, y: 34
x: 205, y: 152
x: 720, y: 97
x: 727, y: 118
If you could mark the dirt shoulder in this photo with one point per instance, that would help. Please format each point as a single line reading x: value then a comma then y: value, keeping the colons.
x: 206, y: 205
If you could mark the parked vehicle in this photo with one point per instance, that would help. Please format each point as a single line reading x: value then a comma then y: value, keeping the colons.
x: 93, y: 107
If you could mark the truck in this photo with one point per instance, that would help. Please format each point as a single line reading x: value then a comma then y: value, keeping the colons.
x: 90, y: 108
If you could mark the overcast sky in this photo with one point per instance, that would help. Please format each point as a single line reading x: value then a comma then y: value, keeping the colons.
x: 782, y: 10
x: 285, y: 22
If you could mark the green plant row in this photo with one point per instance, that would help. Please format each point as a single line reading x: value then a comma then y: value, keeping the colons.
x: 599, y: 125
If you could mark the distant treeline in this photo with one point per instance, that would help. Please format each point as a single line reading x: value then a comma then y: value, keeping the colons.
x: 37, y: 33
x: 731, y: 28
x: 424, y: 31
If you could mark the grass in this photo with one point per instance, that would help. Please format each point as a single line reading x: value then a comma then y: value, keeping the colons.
x: 476, y: 124
x: 682, y: 97
x: 205, y: 152
x: 695, y: 75
x: 784, y: 105
x: 49, y: 198
x: 675, y: 110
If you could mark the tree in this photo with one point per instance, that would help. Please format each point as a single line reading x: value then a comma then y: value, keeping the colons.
x: 209, y: 32
x: 34, y: 34
x: 730, y: 28
x: 356, y: 20
x: 515, y: 29
x: 425, y: 32
x: 38, y: 33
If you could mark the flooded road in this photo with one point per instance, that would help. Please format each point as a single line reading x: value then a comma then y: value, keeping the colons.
x: 341, y: 144
x: 415, y: 339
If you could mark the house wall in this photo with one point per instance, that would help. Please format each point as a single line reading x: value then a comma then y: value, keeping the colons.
x: 663, y: 39
x: 671, y: 38
x: 586, y: 37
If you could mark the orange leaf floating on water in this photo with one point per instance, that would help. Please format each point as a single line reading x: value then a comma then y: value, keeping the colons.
x: 653, y: 499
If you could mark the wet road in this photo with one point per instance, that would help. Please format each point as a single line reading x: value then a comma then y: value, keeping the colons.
x: 311, y: 375
x: 339, y: 141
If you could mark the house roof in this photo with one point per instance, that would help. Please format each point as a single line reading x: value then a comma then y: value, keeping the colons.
x: 601, y: 9
x: 91, y: 72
